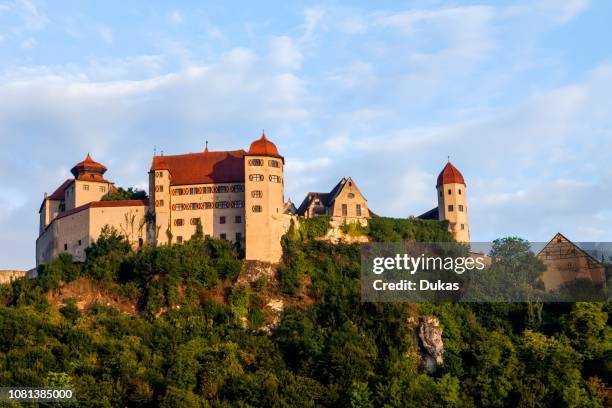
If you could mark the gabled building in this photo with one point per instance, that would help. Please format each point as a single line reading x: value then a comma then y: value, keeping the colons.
x: 73, y: 216
x: 566, y: 262
x: 344, y: 204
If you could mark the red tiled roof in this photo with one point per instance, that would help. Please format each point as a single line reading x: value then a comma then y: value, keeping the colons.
x: 89, y: 169
x: 202, y: 168
x: 58, y: 195
x: 103, y: 204
x: 263, y: 147
x: 449, y: 175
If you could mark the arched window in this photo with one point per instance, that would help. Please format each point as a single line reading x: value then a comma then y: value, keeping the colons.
x: 274, y: 163
x: 255, y: 162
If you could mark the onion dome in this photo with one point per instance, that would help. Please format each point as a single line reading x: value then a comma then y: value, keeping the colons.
x: 263, y: 147
x: 88, y: 167
x: 450, y: 175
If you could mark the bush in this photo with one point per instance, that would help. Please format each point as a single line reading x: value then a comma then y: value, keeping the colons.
x: 383, y: 229
x: 311, y: 228
x: 70, y: 311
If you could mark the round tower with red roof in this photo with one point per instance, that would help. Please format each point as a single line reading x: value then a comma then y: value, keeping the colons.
x: 264, y: 200
x: 452, y: 202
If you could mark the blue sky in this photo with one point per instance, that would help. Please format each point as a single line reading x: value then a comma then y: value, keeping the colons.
x: 517, y: 93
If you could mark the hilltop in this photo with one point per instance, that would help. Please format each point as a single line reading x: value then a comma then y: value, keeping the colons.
x: 194, y: 325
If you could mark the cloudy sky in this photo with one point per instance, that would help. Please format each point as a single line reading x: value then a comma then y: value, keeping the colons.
x: 517, y: 93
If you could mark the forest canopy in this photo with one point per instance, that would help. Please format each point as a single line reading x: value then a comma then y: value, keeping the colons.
x: 195, y: 337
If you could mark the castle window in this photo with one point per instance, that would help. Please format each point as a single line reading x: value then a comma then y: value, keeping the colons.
x: 223, y: 204
x: 179, y: 207
x: 237, y: 204
x: 223, y: 236
x: 344, y: 210
x: 179, y: 239
x: 238, y: 188
x: 450, y: 208
x: 102, y: 189
x: 273, y: 163
x: 358, y: 210
x: 460, y: 208
x: 140, y: 243
x: 256, y: 177
x: 193, y: 190
x: 462, y: 227
x: 207, y: 190
x: 256, y: 208
x: 222, y: 220
x: 459, y: 191
x: 208, y: 205
x: 238, y: 237
x: 86, y: 187
x: 159, y: 203
x: 158, y: 174
x: 256, y: 194
x: 274, y: 178
x: 179, y: 222
x: 255, y: 162
x: 159, y: 189
x: 238, y: 219
x: 222, y: 189
x: 449, y: 191
x: 195, y: 221
x: 79, y: 242
x: 65, y: 247
x: 350, y: 195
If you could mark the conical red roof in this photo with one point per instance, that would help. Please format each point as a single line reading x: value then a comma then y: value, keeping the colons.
x: 449, y: 175
x: 88, y: 166
x: 263, y: 147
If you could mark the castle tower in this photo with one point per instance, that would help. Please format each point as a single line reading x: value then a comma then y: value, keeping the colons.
x: 159, y: 202
x: 264, y: 201
x: 452, y: 203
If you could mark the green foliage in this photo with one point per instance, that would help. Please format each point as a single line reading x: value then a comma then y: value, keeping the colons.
x: 126, y: 194
x: 354, y: 229
x: 70, y: 311
x: 311, y: 228
x: 331, y: 350
x: 383, y: 229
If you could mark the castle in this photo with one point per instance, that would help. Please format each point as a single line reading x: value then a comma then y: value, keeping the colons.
x: 234, y: 195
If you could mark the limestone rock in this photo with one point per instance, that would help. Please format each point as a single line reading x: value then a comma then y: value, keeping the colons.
x: 430, y: 336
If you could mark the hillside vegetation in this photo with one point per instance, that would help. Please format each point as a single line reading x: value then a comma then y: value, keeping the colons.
x: 188, y: 337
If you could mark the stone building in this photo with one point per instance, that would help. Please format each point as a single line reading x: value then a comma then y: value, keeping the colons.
x: 73, y: 216
x: 345, y: 204
x: 566, y: 262
x: 237, y: 195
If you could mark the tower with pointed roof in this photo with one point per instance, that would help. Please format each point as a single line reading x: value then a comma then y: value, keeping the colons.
x: 264, y: 201
x: 452, y: 202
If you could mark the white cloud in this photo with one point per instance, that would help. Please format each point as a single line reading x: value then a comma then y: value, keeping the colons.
x: 284, y: 53
x: 105, y: 33
x: 28, y: 43
x: 175, y: 17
